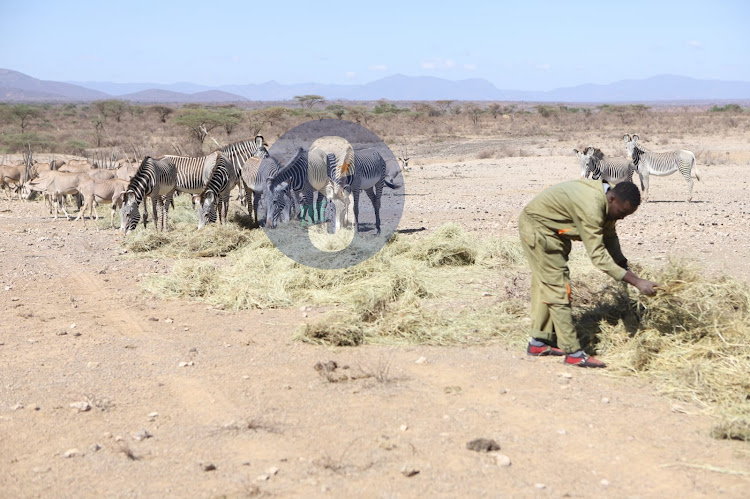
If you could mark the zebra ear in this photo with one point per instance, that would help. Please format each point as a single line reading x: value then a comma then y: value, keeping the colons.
x: 626, y: 138
x: 575, y: 151
x: 259, y: 140
x: 196, y: 198
x: 329, y: 191
x: 210, y: 197
x: 635, y: 137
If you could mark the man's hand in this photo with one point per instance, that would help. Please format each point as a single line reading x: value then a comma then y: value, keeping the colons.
x: 643, y: 285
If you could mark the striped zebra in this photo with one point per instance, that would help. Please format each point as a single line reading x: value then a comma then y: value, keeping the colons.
x: 239, y: 152
x: 366, y: 172
x: 155, y: 178
x: 660, y: 163
x: 255, y: 175
x: 193, y: 172
x: 611, y: 170
x: 295, y: 175
x: 215, y: 196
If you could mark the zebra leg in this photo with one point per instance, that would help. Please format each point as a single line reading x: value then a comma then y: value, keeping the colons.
x: 355, y: 193
x: 375, y: 200
x: 644, y: 184
x: 155, y: 206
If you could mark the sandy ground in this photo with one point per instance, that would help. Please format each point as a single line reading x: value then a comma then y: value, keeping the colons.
x: 178, y: 399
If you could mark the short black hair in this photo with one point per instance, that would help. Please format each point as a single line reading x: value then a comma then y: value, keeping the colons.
x: 627, y: 191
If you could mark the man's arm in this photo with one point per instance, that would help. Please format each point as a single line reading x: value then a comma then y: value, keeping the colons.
x: 643, y: 285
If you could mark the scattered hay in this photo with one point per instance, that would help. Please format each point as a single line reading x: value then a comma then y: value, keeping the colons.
x: 693, y: 337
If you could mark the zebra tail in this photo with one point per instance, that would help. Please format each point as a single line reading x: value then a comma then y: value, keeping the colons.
x: 392, y: 186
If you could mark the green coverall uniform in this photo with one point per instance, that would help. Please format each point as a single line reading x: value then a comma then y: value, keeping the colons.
x: 570, y: 211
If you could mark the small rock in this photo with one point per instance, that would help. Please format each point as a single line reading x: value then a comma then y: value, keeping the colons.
x: 153, y: 319
x: 95, y: 447
x: 273, y: 470
x: 605, y: 482
x: 119, y: 438
x: 81, y: 406
x: 605, y: 400
x: 208, y: 466
x: 142, y: 435
x: 77, y: 333
x: 185, y: 364
x: 403, y: 427
x: 15, y: 298
x: 16, y: 407
x: 565, y: 375
x: 421, y: 360
x: 153, y: 415
x: 73, y: 326
x: 562, y: 432
x: 408, y: 471
x: 501, y: 460
x: 41, y: 469
x: 71, y: 453
x: 263, y: 477
x: 483, y: 445
x: 168, y: 320
x: 540, y: 486
x: 61, y: 333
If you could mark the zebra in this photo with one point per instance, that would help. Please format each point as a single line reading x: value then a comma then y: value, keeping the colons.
x: 295, y: 174
x: 155, y: 178
x: 660, y: 163
x: 215, y: 196
x: 239, y: 152
x: 611, y: 170
x: 366, y: 172
x: 255, y: 174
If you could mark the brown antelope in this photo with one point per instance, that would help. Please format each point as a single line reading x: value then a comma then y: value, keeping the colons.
x: 59, y: 184
x: 102, y: 191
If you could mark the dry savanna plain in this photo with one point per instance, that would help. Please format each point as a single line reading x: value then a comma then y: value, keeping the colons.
x: 208, y: 364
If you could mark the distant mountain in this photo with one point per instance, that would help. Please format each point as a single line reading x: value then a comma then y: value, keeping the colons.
x: 206, y: 97
x: 20, y: 87
x: 15, y: 86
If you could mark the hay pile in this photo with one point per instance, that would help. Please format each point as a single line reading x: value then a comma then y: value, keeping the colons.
x: 693, y: 337
x: 451, y: 288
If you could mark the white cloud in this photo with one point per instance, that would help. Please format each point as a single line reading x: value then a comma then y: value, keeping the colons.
x: 438, y: 64
x: 350, y: 75
x: 695, y: 44
x: 470, y: 67
x: 378, y: 67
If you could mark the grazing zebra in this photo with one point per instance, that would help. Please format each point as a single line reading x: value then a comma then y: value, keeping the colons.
x: 193, y: 172
x: 255, y: 174
x: 295, y: 174
x: 660, y: 163
x: 215, y: 197
x: 239, y: 152
x: 611, y: 170
x: 366, y: 172
x: 155, y: 178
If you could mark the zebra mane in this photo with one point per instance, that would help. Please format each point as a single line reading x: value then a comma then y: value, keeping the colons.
x: 286, y: 172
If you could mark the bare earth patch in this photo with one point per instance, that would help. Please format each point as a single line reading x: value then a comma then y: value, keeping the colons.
x: 106, y: 390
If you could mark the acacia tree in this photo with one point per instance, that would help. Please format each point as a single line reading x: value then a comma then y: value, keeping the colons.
x: 111, y: 107
x: 162, y: 112
x: 308, y: 101
x: 198, y: 122
x: 23, y: 115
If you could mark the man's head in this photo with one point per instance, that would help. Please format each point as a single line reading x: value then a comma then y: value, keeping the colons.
x: 623, y: 199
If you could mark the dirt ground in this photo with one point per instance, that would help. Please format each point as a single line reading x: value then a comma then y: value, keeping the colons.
x: 106, y: 390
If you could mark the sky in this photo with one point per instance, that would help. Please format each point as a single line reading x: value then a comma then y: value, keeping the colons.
x: 519, y: 45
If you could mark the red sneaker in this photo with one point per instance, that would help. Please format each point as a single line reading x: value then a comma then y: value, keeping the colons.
x: 583, y: 361
x: 543, y: 351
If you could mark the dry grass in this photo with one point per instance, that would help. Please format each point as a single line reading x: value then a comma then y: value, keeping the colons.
x: 693, y: 337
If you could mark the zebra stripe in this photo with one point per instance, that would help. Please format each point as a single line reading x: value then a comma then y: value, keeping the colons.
x: 611, y: 170
x: 255, y: 174
x: 239, y: 152
x: 215, y: 197
x: 155, y: 178
x: 294, y: 173
x: 661, y: 163
x: 366, y: 172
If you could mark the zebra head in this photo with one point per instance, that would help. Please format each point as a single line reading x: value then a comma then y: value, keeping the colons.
x: 584, y: 158
x: 206, y: 206
x: 129, y: 214
x: 631, y: 145
x: 279, y: 198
